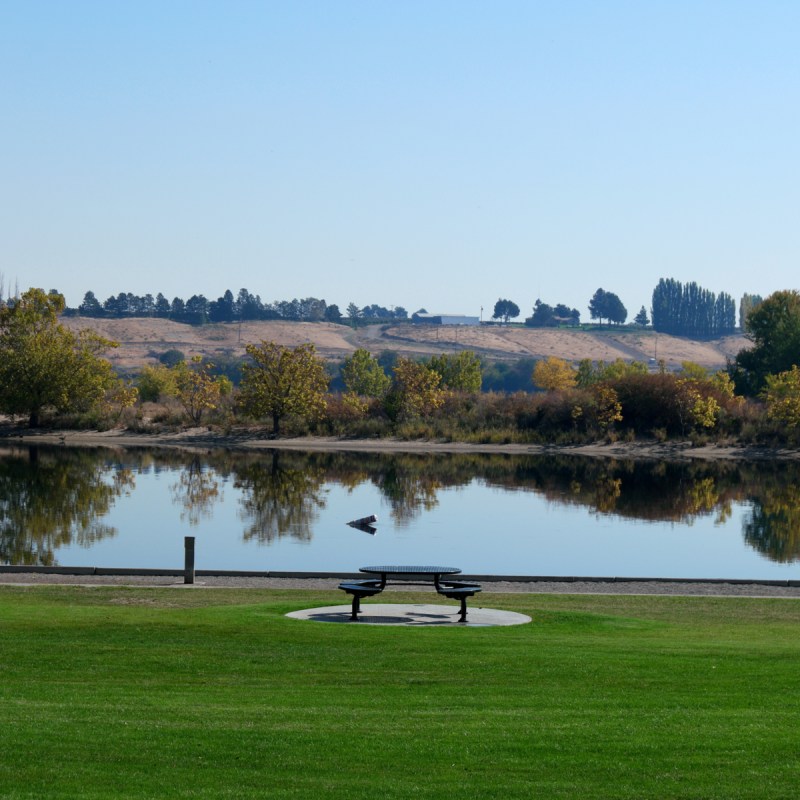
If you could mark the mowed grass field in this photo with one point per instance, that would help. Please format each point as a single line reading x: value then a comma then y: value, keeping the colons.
x: 211, y: 693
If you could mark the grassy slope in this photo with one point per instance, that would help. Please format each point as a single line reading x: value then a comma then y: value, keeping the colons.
x: 141, y: 338
x: 109, y: 692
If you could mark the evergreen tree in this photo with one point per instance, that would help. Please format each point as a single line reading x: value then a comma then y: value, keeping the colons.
x: 505, y: 310
x: 90, y: 307
x: 597, y: 306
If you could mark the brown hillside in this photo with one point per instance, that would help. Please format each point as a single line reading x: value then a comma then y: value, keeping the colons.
x: 142, y: 340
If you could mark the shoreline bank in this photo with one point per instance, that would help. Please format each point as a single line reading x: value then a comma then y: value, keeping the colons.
x: 202, y: 438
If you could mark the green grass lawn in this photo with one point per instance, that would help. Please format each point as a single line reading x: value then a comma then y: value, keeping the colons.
x: 109, y: 692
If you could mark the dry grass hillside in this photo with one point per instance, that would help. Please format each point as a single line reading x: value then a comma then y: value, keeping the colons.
x: 142, y: 340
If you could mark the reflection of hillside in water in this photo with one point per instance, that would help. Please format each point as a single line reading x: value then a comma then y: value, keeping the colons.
x: 53, y: 497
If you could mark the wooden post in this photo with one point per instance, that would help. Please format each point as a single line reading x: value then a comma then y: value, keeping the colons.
x: 188, y: 562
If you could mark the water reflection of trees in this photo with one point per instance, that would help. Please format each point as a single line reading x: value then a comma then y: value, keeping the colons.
x: 197, y: 490
x: 281, y: 495
x: 54, y: 498
x: 773, y: 524
x: 655, y: 491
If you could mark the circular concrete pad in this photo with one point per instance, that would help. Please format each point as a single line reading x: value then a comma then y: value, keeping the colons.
x: 410, y: 614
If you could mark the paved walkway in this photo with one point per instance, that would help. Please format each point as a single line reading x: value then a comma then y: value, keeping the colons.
x: 412, y: 614
x: 594, y: 586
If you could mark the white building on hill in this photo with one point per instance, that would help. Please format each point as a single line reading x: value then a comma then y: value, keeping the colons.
x: 444, y: 319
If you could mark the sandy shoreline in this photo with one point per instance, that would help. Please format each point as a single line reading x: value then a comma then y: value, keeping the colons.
x: 202, y: 438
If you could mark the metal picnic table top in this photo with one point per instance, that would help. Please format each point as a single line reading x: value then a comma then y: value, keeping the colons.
x: 430, y: 572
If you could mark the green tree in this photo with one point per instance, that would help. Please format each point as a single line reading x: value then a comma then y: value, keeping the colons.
x: 693, y: 371
x: 505, y: 310
x: 590, y: 373
x: 155, y: 382
x: 774, y: 328
x: 458, y: 372
x: 748, y: 303
x: 544, y: 316
x: 615, y: 310
x: 364, y: 376
x: 597, y: 305
x: 45, y: 366
x: 607, y: 305
x: 690, y: 310
x: 198, y: 391
x: 332, y: 313
x: 416, y: 390
x: 353, y: 314
x: 90, y: 307
x: 782, y: 396
x: 641, y: 318
x: 121, y: 395
x: 282, y: 381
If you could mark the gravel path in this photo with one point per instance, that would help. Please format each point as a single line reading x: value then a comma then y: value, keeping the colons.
x: 676, y: 588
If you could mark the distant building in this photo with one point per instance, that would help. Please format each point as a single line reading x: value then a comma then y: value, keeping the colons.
x: 444, y: 319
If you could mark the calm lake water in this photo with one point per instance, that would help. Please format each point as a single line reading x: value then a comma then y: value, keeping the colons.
x: 490, y: 514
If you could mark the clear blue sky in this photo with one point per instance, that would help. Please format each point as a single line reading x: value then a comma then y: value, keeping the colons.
x: 416, y: 153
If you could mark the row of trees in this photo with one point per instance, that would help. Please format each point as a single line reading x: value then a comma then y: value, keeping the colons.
x: 690, y: 310
x: 602, y: 306
x: 547, y: 316
x: 279, y: 382
x: 684, y: 310
x: 198, y: 310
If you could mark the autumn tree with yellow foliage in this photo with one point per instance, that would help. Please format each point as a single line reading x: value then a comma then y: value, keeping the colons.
x: 554, y: 375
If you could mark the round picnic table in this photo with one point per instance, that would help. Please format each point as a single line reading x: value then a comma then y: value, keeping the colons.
x: 429, y: 572
x: 407, y: 573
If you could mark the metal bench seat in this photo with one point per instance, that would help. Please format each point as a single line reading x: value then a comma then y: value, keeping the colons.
x: 458, y: 590
x: 360, y: 589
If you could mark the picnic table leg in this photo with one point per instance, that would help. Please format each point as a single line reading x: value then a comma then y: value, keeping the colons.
x: 463, y: 617
x: 356, y: 608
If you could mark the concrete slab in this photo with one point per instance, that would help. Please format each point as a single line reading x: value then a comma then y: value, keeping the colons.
x: 411, y: 614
